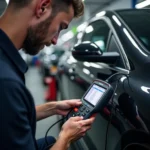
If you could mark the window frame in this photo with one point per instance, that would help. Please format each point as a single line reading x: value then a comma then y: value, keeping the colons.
x: 94, y: 22
x: 111, y: 35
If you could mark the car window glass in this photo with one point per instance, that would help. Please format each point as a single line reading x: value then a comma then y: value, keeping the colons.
x: 140, y: 26
x: 113, y: 47
x: 97, y: 32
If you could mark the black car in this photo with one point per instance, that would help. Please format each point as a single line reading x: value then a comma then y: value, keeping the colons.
x: 114, y: 45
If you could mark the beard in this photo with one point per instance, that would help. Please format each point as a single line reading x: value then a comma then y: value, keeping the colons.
x: 35, y: 36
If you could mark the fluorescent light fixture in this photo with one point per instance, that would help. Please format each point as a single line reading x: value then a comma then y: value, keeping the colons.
x: 71, y: 60
x: 67, y: 36
x: 79, y: 36
x: 70, y: 70
x: 86, y: 71
x: 116, y: 20
x: 87, y: 64
x: 143, y: 4
x: 133, y: 41
x: 7, y: 1
x: 100, y: 14
x: 95, y: 66
x: 81, y: 27
x: 89, y: 29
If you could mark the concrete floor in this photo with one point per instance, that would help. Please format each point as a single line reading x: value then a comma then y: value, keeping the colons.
x: 37, y: 89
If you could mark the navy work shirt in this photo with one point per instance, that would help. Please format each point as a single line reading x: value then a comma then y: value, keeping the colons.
x: 17, y: 109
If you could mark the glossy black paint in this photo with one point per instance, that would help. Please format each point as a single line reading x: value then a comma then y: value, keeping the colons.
x: 86, y: 48
x: 131, y: 104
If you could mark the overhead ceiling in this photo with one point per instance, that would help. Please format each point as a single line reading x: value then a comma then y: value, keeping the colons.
x: 96, y: 5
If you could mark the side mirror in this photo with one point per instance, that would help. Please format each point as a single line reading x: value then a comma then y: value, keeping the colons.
x: 88, y: 51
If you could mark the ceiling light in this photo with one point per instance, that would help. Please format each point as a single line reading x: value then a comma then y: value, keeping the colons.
x: 86, y: 71
x: 67, y: 36
x: 87, y: 64
x: 143, y: 4
x: 81, y: 27
x: 7, y: 1
x: 79, y: 36
x: 89, y: 29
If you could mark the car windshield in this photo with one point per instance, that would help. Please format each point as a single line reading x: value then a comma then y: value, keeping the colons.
x: 139, y: 22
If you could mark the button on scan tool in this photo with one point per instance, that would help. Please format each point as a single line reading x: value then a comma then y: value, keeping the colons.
x: 83, y: 114
x: 76, y: 109
x: 73, y: 115
x: 87, y: 110
x: 84, y: 108
x: 78, y: 114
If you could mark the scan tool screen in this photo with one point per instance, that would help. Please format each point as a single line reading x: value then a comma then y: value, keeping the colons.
x: 94, y: 94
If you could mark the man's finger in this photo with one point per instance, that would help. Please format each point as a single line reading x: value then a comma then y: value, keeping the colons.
x: 86, y: 128
x: 88, y: 121
x: 77, y: 118
x: 74, y: 102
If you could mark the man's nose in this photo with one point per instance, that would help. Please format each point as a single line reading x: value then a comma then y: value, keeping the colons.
x: 54, y: 40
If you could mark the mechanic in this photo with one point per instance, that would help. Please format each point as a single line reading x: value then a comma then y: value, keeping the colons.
x: 32, y: 24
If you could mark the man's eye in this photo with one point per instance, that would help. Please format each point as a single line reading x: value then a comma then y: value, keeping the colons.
x: 61, y: 28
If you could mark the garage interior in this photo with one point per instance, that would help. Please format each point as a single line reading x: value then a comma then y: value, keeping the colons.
x: 34, y: 78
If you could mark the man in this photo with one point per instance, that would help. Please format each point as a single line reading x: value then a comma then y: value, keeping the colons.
x: 32, y: 24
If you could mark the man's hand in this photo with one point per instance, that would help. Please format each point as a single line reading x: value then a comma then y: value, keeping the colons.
x: 76, y: 128
x: 53, y: 108
x: 72, y: 130
x: 63, y: 107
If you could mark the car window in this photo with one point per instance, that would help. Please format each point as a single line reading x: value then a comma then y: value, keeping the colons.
x: 113, y: 47
x: 140, y: 26
x: 97, y: 32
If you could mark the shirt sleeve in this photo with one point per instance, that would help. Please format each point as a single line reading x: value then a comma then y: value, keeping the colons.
x: 15, y: 129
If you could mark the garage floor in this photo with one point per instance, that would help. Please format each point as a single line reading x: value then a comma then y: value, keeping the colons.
x: 34, y: 84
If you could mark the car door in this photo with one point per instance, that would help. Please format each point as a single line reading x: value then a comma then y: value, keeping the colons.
x: 100, y: 33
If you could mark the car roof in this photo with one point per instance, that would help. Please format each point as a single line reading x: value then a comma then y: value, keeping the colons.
x: 109, y: 12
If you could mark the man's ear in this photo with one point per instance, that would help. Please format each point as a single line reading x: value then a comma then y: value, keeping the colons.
x: 42, y: 7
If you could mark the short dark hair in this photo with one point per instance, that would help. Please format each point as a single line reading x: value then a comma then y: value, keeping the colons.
x: 62, y: 5
x: 20, y: 3
x: 57, y: 5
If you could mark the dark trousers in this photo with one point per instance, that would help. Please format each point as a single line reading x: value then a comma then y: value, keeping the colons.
x: 42, y: 145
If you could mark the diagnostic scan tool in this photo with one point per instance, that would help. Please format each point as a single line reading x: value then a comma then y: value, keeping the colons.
x: 95, y: 99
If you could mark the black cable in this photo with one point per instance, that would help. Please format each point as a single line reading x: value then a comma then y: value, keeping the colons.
x: 116, y: 74
x: 50, y: 128
x: 106, y: 137
x: 49, y: 146
x: 110, y: 118
x: 46, y: 141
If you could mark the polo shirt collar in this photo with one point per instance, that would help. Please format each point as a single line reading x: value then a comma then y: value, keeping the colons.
x: 11, y: 52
